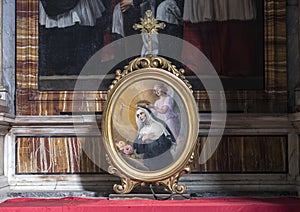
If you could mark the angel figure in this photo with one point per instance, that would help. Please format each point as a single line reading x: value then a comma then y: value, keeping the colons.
x: 163, y: 108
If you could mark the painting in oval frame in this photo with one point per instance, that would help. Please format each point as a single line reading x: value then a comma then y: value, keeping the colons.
x: 150, y: 125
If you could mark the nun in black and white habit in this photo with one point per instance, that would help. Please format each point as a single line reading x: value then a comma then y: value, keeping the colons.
x: 154, y: 140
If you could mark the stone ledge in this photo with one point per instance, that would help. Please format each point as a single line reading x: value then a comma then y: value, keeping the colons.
x: 149, y: 196
x: 56, y: 194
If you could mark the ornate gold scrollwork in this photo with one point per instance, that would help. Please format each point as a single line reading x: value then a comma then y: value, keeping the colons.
x: 150, y: 62
x: 127, y: 184
x: 172, y: 182
x: 150, y: 65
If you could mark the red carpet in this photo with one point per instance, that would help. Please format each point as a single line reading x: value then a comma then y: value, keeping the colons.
x: 287, y: 204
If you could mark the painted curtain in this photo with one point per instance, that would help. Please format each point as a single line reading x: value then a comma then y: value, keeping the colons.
x: 228, y: 32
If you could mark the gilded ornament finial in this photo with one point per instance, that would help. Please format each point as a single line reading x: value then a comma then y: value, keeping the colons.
x: 149, y: 25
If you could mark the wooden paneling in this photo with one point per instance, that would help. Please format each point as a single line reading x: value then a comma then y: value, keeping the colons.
x: 55, y: 155
x: 245, y: 154
x: 235, y: 154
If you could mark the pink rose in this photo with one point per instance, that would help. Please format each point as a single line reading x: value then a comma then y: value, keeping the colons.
x: 128, y: 150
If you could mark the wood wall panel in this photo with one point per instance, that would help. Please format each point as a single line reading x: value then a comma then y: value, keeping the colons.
x: 246, y: 154
x: 55, y: 155
x: 235, y: 154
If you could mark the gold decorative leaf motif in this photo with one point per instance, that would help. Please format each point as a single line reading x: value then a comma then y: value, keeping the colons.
x: 150, y: 62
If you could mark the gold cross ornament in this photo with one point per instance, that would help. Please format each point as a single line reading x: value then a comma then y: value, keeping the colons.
x: 149, y: 25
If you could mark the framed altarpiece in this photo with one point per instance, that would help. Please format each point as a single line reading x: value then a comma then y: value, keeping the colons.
x: 45, y: 84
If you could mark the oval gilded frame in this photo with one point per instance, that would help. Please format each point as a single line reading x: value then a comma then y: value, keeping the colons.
x: 131, y: 80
